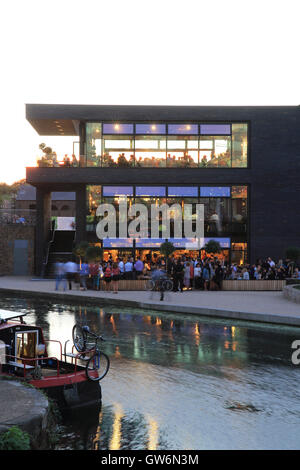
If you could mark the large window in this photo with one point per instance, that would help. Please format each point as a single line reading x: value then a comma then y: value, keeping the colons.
x: 123, y: 145
x: 150, y: 151
x: 215, y: 151
x: 118, y: 151
x: 93, y: 145
x: 225, y: 212
x: 182, y: 151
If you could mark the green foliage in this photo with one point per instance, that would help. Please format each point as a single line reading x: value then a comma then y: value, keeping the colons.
x: 293, y: 253
x: 167, y: 248
x: 81, y: 249
x: 14, y: 439
x: 212, y: 247
x: 93, y: 253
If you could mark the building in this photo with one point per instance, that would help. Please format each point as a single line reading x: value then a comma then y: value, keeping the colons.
x: 62, y: 203
x: 242, y: 163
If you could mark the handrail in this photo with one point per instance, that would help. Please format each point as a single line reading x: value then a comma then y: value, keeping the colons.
x: 78, y: 355
x: 48, y: 250
x: 34, y: 359
x: 55, y: 341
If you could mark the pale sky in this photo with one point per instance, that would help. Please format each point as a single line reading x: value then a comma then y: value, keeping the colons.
x: 158, y: 52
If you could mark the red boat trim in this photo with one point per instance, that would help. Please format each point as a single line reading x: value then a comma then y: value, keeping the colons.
x: 60, y: 381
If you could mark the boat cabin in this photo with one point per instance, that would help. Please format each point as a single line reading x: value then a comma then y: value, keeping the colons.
x: 20, y: 343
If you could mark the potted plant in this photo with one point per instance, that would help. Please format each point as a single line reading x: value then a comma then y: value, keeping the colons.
x: 80, y: 251
x: 167, y: 249
x: 93, y: 253
x: 212, y: 247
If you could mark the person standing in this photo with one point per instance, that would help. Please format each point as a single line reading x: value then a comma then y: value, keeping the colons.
x: 100, y: 275
x: 122, y: 268
x: 138, y: 266
x: 197, y: 276
x: 206, y: 276
x: 115, y: 277
x: 71, y: 270
x: 94, y: 272
x: 218, y: 276
x: 128, y: 269
x: 178, y: 275
x: 83, y: 274
x: 187, y: 275
x: 107, y: 276
x: 60, y: 275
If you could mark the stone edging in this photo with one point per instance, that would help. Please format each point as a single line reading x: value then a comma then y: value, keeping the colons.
x: 290, y: 320
x: 291, y: 293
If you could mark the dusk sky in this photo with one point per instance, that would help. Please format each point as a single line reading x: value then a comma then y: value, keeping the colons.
x: 190, y: 52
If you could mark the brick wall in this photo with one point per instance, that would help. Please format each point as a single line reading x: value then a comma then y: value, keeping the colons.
x: 8, y: 234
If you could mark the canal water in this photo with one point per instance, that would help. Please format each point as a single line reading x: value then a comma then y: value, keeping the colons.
x: 180, y: 382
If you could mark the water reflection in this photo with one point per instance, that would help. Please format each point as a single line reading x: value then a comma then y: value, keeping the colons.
x: 181, y: 382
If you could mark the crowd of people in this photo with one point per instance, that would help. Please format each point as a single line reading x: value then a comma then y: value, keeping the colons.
x: 187, y: 273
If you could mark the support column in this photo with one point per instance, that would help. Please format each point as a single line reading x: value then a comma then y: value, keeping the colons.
x: 43, y: 227
x: 81, y: 214
x: 82, y: 145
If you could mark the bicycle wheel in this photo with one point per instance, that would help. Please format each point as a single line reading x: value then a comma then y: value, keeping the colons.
x: 167, y: 285
x: 79, y: 337
x: 150, y: 285
x: 98, y: 362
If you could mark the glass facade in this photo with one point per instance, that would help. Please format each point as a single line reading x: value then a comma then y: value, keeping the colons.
x: 225, y: 214
x: 163, y: 145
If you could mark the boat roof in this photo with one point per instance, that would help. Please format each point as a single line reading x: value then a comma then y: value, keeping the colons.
x: 6, y: 315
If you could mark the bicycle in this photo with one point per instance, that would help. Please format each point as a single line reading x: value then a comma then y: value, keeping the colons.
x: 98, y: 360
x: 159, y: 285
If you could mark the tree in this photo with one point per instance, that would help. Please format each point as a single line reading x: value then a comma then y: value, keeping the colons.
x: 167, y: 248
x: 212, y: 247
x: 80, y: 250
x: 293, y: 253
x: 9, y: 191
x: 93, y: 253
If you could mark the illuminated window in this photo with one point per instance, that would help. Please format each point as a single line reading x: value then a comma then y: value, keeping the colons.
x: 150, y: 128
x: 150, y: 151
x: 150, y: 191
x: 209, y: 191
x: 189, y: 191
x: 183, y: 129
x: 117, y: 128
x: 117, y: 191
x: 215, y: 129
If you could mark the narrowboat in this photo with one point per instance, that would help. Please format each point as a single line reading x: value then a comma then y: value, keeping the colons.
x: 24, y: 354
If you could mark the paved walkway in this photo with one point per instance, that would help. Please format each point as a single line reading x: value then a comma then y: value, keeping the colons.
x: 270, y: 307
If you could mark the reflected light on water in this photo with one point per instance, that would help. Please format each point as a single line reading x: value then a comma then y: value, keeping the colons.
x: 60, y: 330
x: 197, y: 334
x: 117, y: 352
x: 153, y: 434
x: 112, y: 321
x: 115, y: 442
x: 96, y: 440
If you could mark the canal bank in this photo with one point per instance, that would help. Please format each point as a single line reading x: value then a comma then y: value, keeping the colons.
x: 266, y: 307
x: 28, y: 409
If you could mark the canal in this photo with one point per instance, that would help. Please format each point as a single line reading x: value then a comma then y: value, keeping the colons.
x: 180, y: 382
